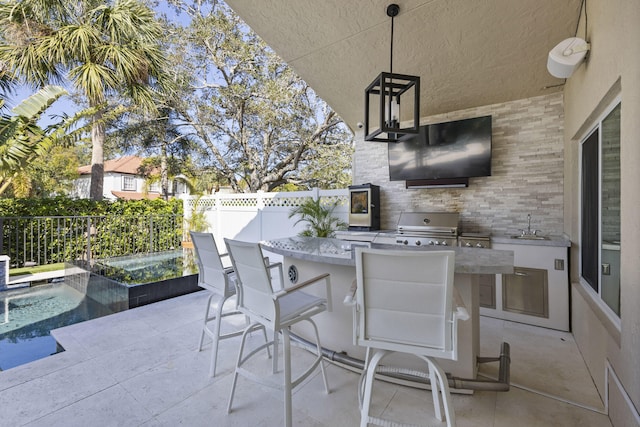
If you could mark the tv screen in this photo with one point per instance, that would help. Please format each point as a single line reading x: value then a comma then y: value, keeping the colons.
x: 458, y: 149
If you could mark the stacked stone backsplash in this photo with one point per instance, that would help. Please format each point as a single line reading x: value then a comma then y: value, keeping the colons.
x: 527, y: 172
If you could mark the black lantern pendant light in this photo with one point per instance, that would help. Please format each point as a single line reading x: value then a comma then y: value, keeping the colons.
x: 386, y: 92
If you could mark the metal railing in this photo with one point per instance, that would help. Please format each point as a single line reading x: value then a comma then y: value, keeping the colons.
x: 51, y: 239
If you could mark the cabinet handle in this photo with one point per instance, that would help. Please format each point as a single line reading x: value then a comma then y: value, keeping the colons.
x: 517, y: 273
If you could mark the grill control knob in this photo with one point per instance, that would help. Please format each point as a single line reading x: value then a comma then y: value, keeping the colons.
x: 479, y: 245
x: 468, y: 245
x: 444, y: 243
x: 405, y: 242
x: 430, y: 242
x: 418, y: 242
x: 437, y: 243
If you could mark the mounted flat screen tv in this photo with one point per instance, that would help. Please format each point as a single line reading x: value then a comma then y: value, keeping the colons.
x: 458, y: 149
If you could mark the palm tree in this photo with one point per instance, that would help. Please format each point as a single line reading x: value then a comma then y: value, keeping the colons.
x: 102, y: 47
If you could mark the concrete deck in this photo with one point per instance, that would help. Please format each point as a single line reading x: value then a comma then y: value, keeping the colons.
x: 141, y: 368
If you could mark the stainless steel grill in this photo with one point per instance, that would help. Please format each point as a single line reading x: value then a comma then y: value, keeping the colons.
x: 428, y: 229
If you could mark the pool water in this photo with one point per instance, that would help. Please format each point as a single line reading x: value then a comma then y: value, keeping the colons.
x: 139, y: 269
x: 142, y: 261
x: 28, y: 315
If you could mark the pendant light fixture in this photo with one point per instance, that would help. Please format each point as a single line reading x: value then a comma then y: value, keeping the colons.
x: 383, y: 101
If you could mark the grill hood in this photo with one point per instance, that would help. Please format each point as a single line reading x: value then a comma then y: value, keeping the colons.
x: 428, y: 222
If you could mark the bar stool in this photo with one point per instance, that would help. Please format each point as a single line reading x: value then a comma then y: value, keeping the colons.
x: 276, y: 309
x: 219, y: 281
x: 404, y: 303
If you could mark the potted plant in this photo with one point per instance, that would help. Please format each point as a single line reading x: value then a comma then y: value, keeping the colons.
x: 319, y: 218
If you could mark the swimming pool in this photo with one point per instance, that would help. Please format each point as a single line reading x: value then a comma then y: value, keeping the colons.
x: 28, y: 315
x: 89, y: 291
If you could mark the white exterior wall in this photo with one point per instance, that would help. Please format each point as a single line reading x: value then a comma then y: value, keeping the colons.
x: 81, y: 187
x: 112, y: 181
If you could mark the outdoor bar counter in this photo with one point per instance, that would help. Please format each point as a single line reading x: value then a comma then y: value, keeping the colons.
x: 306, y: 257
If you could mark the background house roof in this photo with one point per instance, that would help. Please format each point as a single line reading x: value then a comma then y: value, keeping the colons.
x: 467, y: 53
x: 126, y: 164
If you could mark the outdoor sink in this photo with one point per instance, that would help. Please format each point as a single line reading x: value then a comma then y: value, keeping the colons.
x: 530, y: 237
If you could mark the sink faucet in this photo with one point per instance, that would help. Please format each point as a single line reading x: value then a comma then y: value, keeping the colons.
x: 528, y: 231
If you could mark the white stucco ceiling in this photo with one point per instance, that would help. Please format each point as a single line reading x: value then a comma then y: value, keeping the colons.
x: 467, y: 52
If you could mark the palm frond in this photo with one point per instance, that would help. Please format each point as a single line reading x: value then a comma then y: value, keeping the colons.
x: 20, y: 137
x: 33, y: 106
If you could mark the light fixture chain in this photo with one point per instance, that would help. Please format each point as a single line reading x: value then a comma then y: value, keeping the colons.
x: 391, y: 52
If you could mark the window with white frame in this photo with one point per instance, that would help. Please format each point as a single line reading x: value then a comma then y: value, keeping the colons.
x: 600, y: 209
x: 154, y: 187
x: 180, y: 187
x: 128, y: 183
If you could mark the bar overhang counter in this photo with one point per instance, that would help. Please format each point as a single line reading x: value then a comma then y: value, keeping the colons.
x: 306, y: 257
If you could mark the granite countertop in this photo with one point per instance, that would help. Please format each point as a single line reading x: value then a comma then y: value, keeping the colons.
x: 371, y: 234
x: 558, y: 241
x: 341, y: 252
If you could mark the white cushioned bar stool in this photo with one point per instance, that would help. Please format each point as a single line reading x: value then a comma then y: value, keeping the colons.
x: 276, y: 308
x: 404, y: 303
x: 219, y: 281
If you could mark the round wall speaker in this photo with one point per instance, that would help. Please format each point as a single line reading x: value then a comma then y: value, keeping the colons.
x: 293, y: 274
x: 565, y: 57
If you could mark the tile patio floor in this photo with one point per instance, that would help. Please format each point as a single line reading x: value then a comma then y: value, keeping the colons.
x: 141, y: 368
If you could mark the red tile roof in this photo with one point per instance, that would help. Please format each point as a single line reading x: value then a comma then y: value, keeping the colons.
x: 126, y: 164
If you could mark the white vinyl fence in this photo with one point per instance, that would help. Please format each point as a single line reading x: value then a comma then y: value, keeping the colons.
x: 258, y: 216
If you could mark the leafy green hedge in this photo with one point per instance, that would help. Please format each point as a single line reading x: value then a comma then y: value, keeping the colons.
x: 45, y: 231
x: 63, y: 206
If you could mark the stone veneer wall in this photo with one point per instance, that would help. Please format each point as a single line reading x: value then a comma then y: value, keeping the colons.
x: 527, y: 172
